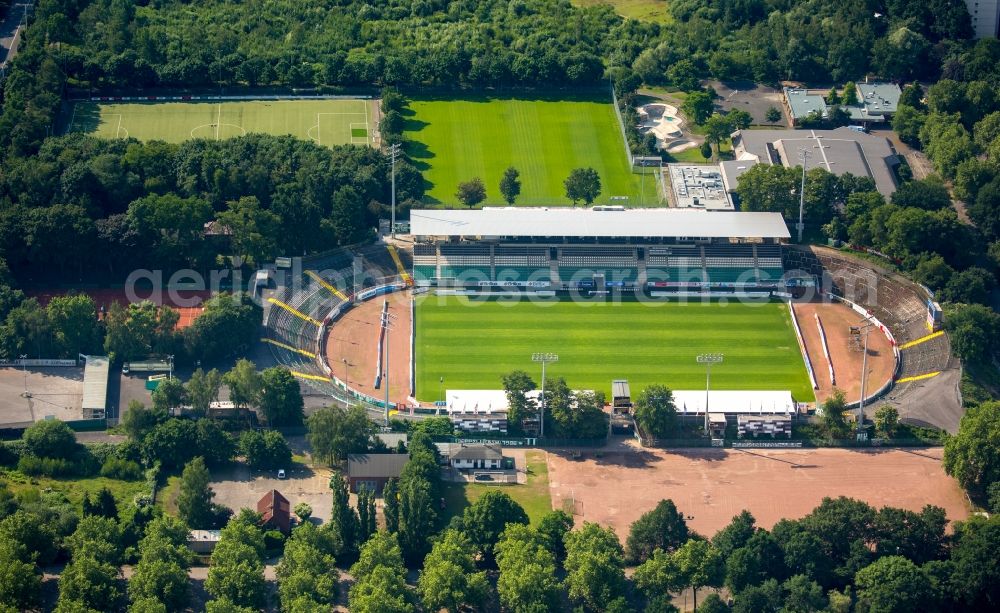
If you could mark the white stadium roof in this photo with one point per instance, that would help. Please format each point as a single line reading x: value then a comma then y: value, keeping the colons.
x: 621, y: 223
x: 692, y: 402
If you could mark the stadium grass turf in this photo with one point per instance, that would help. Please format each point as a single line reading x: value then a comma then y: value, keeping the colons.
x: 327, y: 122
x: 454, y: 140
x: 473, y: 344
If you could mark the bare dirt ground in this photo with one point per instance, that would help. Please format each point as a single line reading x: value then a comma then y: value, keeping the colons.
x: 837, y: 320
x: 711, y: 486
x: 56, y: 391
x: 352, y: 346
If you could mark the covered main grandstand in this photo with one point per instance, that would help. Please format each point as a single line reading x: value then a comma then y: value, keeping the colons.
x: 600, y: 248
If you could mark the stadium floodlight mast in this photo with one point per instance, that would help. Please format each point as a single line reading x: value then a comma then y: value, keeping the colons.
x: 708, y: 359
x: 804, y: 154
x: 24, y: 371
x: 864, y: 379
x: 387, y: 321
x: 544, y: 358
x: 394, y: 155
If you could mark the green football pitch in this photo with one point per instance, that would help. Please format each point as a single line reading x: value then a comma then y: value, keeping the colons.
x: 472, y: 344
x: 326, y: 122
x: 454, y: 140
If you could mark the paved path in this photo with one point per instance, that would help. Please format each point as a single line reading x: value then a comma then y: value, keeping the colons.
x: 9, y: 36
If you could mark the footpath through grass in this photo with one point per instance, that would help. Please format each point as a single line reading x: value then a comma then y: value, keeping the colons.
x: 533, y: 496
x: 325, y: 122
x: 472, y: 344
x: 454, y: 140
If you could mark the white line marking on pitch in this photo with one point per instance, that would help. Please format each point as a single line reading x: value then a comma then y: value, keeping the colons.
x: 218, y: 122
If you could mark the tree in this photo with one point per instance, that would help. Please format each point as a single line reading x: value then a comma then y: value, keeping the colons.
x: 929, y: 194
x: 449, y: 579
x: 228, y: 326
x: 700, y: 565
x: 973, y: 330
x: 655, y: 411
x: 471, y: 192
x: 527, y: 579
x: 764, y: 597
x: 334, y: 433
x: 138, y: 420
x: 74, y: 323
x: 803, y: 595
x: 572, y: 414
x: 850, y: 96
x: 194, y: 501
x: 50, y: 438
x: 552, y: 528
x: 303, y: 511
x: 89, y: 583
x: 244, y: 383
x: 252, y: 229
x: 973, y: 285
x: 736, y: 534
x: 237, y: 572
x: 891, y: 584
x: 886, y: 420
x: 516, y: 385
x: 976, y: 577
x: 485, y: 520
x: 390, y: 505
x: 367, y: 519
x: 717, y: 129
x: 103, y: 504
x: 510, y: 185
x: 833, y: 97
x: 20, y: 579
x: 280, y: 397
x: 739, y: 119
x: 306, y: 571
x: 595, y: 567
x: 972, y: 456
x: 343, y: 518
x: 773, y: 115
x: 203, y: 389
x: 698, y: 107
x: 379, y: 577
x: 139, y: 330
x: 265, y: 450
x: 583, y: 184
x: 162, y: 580
x: 706, y: 150
x: 758, y: 559
x: 169, y: 394
x: 770, y: 188
x: 833, y: 415
x: 417, y: 516
x: 908, y: 122
x: 662, y: 528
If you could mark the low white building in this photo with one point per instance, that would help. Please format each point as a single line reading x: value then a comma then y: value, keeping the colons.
x: 473, y: 457
x: 692, y: 402
x: 477, y: 410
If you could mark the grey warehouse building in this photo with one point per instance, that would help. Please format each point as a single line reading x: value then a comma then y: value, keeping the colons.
x: 839, y: 151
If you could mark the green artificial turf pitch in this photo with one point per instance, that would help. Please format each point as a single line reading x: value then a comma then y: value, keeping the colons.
x: 326, y: 122
x: 454, y: 140
x: 472, y: 344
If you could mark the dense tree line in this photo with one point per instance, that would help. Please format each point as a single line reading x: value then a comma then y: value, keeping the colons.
x: 85, y: 207
x: 569, y: 414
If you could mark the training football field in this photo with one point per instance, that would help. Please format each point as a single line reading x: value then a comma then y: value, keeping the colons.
x: 472, y: 344
x: 326, y: 122
x: 455, y: 140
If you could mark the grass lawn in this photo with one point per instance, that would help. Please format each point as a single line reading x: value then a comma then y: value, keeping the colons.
x: 472, y: 344
x: 453, y: 140
x: 533, y: 495
x: 326, y: 122
x: 643, y: 10
x: 75, y: 489
x: 166, y: 498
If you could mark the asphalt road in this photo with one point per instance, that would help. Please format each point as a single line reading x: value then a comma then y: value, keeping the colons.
x: 8, y: 29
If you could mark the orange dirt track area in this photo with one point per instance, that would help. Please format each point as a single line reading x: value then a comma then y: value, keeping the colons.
x: 352, y: 346
x: 837, y: 319
x: 710, y: 486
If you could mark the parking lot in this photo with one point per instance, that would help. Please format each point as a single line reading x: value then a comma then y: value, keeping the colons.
x: 52, y: 391
x: 238, y: 487
x: 747, y: 96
